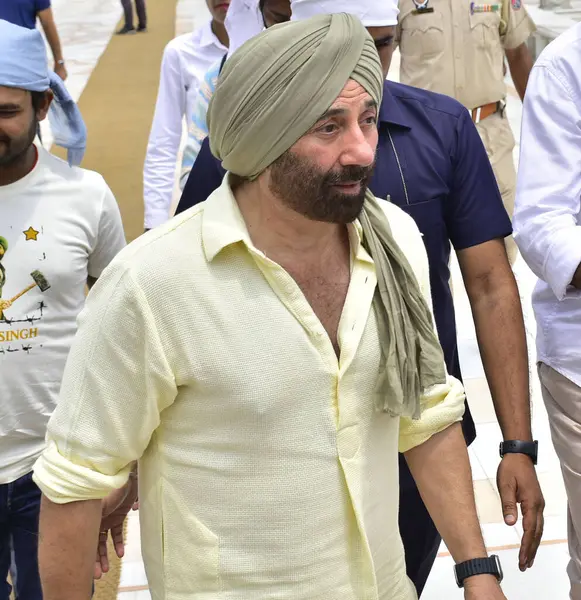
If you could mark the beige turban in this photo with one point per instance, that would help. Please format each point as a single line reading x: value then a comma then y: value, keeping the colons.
x: 270, y: 93
x: 271, y: 79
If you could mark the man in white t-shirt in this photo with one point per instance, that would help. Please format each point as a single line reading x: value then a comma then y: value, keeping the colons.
x: 59, y: 228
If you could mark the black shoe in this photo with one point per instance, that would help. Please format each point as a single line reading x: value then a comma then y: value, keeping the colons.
x: 142, y: 29
x: 126, y: 30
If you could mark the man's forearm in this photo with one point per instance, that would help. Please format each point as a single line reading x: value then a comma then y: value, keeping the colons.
x: 501, y: 337
x: 52, y: 36
x: 520, y: 62
x: 69, y: 535
x: 441, y: 469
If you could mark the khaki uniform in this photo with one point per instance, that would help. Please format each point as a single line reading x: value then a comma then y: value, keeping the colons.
x: 460, y: 53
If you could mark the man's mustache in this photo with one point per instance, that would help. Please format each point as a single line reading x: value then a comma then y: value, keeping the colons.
x: 349, y: 174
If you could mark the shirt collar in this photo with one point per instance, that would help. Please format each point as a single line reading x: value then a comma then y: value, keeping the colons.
x: 223, y: 225
x: 208, y: 38
x: 390, y: 111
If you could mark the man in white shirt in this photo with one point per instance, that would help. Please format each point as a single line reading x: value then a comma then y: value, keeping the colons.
x: 264, y: 356
x: 59, y: 228
x: 548, y: 232
x: 185, y: 62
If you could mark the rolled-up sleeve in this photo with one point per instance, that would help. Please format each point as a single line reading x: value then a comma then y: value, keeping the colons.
x: 116, y: 383
x: 549, y: 181
x: 442, y: 406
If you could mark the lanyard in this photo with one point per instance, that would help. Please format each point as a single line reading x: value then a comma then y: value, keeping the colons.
x: 405, y: 187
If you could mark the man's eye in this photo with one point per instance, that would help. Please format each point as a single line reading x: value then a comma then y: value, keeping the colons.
x: 384, y: 43
x: 330, y: 128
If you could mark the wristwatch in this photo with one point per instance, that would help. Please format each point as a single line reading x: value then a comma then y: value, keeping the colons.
x: 531, y: 449
x: 478, y: 566
x: 60, y: 62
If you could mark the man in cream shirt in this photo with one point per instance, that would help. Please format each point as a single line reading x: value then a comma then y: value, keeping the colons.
x: 263, y: 357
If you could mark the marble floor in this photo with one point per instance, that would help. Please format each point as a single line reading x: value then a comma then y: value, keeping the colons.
x: 86, y: 27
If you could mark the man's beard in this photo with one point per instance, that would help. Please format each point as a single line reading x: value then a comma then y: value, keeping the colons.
x: 306, y: 189
x: 14, y: 150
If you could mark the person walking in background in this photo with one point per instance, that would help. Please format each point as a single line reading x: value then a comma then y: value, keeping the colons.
x: 547, y: 224
x: 24, y: 13
x: 458, y: 48
x: 186, y: 60
x: 128, y: 12
x: 59, y: 228
x: 246, y: 18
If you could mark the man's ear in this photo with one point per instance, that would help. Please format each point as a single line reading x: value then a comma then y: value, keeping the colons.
x: 44, y: 105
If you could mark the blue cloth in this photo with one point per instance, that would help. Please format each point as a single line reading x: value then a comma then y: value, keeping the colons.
x: 23, y: 65
x: 451, y: 190
x: 22, y: 12
x: 19, y: 515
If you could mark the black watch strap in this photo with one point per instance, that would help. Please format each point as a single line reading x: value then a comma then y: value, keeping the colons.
x: 478, y: 566
x: 530, y: 449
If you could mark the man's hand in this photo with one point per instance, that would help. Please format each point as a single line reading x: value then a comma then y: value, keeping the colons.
x: 116, y: 507
x: 483, y: 587
x: 518, y: 484
x: 61, y: 71
x: 4, y: 304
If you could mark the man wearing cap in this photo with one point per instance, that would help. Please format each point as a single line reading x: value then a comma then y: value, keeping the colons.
x: 266, y: 376
x: 431, y: 163
x: 59, y: 228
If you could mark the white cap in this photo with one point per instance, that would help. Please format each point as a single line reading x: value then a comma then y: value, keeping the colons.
x: 372, y: 13
x: 243, y: 22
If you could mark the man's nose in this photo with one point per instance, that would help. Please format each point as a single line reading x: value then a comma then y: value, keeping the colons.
x: 359, y: 148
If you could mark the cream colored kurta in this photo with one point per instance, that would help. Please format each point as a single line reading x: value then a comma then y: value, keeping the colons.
x: 265, y: 471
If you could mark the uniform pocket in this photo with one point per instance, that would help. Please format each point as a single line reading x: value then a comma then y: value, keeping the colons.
x: 485, y: 30
x: 422, y: 34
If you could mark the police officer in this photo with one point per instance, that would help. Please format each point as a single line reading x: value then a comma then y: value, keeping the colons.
x: 457, y: 48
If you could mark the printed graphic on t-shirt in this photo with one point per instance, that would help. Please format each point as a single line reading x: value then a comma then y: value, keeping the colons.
x: 18, y: 323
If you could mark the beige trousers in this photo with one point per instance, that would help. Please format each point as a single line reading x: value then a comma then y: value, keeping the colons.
x: 498, y: 140
x: 563, y: 401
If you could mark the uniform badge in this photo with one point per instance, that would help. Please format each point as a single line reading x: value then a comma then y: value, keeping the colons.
x: 516, y: 4
x: 485, y: 8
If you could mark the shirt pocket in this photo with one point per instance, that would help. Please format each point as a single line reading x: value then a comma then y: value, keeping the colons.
x: 485, y: 30
x: 423, y: 34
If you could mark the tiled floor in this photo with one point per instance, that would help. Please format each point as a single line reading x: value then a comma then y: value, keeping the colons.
x: 86, y: 27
